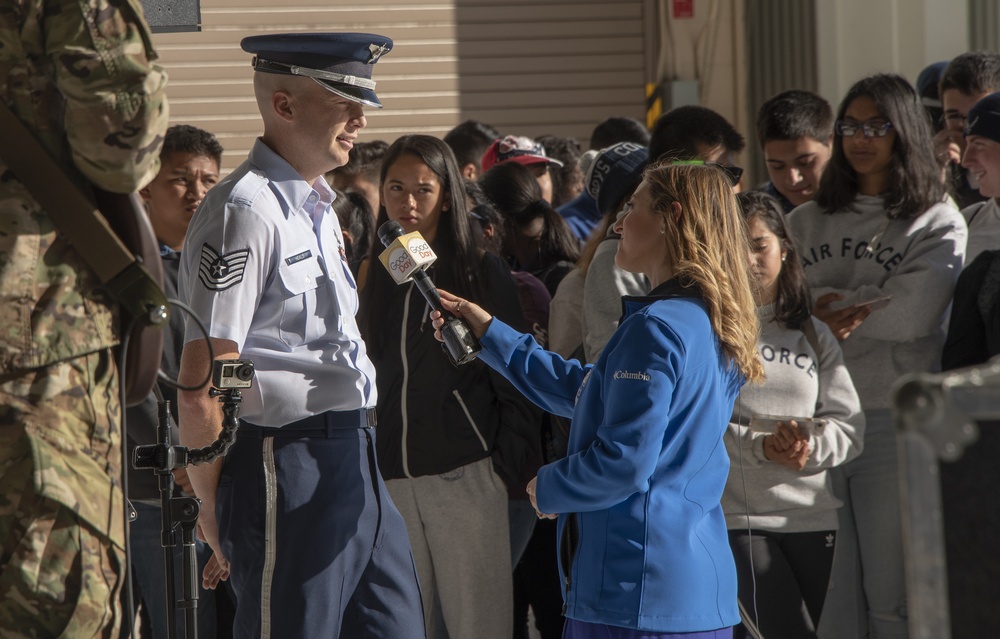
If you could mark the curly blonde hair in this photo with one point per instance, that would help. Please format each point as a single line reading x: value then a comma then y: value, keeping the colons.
x: 708, y: 246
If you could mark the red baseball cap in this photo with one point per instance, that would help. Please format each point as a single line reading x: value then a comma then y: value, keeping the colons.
x: 515, y: 148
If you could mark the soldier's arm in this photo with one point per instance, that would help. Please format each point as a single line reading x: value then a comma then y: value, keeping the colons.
x: 200, y: 420
x: 116, y: 108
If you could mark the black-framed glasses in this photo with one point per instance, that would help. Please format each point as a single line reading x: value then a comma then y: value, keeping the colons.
x: 734, y: 173
x: 848, y: 128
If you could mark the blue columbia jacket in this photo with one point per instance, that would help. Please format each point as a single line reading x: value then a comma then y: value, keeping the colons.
x: 646, y: 464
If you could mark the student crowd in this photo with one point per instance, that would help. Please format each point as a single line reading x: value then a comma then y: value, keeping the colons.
x: 874, y: 250
x: 858, y: 239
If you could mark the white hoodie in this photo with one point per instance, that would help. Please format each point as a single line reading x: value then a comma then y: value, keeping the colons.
x: 798, y: 384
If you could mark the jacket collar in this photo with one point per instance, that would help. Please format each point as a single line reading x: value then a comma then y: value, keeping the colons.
x: 674, y: 287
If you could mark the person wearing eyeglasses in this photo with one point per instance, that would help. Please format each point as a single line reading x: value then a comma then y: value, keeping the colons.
x: 965, y: 81
x: 882, y: 247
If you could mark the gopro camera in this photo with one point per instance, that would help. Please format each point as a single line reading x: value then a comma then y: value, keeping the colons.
x: 232, y: 373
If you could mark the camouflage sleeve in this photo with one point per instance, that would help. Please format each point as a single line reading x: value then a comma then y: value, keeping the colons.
x: 116, y: 106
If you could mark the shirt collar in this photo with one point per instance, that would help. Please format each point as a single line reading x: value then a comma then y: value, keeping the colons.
x: 771, y: 190
x: 286, y: 181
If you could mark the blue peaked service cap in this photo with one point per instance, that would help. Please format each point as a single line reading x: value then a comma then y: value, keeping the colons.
x: 340, y: 62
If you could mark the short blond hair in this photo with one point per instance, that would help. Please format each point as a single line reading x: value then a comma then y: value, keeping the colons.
x: 708, y: 246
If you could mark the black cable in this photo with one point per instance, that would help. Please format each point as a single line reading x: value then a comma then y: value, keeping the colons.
x: 173, y: 383
x: 752, y: 628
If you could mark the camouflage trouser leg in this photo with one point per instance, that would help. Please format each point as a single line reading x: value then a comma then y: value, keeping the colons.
x: 59, y: 575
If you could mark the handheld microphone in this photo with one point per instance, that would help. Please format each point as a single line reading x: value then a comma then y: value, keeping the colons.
x: 406, y: 257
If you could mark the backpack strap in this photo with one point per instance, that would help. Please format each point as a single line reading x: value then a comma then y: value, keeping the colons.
x: 74, y: 214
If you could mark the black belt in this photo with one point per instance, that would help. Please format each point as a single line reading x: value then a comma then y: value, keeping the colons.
x: 322, y: 425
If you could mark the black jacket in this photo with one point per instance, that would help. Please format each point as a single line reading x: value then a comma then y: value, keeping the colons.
x: 974, y: 328
x: 449, y: 416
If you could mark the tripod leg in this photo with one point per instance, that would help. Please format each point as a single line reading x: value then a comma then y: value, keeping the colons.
x: 186, y: 511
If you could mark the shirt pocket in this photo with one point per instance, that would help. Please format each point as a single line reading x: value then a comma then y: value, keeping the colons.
x: 305, y: 289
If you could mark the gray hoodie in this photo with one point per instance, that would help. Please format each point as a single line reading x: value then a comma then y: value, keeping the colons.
x: 916, y: 261
x: 603, y: 290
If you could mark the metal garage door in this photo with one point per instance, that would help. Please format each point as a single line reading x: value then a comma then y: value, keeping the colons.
x: 527, y: 67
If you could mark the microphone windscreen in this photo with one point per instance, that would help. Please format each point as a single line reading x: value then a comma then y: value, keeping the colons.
x: 389, y: 231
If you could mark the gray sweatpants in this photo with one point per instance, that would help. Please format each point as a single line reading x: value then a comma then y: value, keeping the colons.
x: 457, y: 524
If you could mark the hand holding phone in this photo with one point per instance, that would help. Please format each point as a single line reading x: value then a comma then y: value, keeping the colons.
x: 875, y: 303
x: 769, y: 424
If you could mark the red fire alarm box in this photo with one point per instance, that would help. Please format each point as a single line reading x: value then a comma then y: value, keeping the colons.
x: 683, y: 9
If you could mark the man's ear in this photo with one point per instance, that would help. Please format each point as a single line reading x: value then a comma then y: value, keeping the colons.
x: 282, y: 104
x: 469, y: 171
x: 145, y: 194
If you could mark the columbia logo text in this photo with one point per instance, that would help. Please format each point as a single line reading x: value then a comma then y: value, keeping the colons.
x: 632, y: 375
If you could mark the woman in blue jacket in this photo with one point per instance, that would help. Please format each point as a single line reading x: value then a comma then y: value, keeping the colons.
x: 643, y: 545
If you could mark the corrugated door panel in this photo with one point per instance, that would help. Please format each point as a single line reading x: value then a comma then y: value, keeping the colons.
x: 984, y: 25
x: 781, y: 55
x: 531, y: 68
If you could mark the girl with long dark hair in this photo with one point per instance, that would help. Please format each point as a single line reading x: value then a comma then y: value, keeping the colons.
x: 882, y: 248
x: 537, y: 239
x: 779, y: 502
x: 450, y: 439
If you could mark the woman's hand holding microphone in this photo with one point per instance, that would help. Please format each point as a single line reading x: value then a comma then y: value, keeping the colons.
x: 477, y: 319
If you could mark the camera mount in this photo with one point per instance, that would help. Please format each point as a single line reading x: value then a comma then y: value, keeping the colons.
x: 163, y: 458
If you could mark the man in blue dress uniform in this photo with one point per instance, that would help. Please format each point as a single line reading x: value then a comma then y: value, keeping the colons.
x: 297, y: 511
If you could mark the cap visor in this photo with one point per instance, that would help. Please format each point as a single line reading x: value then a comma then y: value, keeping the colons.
x: 366, y: 97
x: 528, y: 160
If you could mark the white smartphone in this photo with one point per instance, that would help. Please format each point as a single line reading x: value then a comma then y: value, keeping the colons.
x: 769, y: 423
x: 876, y: 302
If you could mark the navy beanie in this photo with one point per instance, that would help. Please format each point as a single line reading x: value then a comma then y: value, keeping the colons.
x: 615, y: 173
x: 984, y: 118
x: 927, y: 83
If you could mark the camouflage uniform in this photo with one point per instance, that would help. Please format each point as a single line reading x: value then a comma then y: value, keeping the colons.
x: 79, y: 73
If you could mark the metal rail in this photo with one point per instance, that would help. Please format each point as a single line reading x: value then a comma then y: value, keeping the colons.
x: 936, y: 417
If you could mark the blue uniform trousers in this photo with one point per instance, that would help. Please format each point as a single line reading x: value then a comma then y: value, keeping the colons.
x: 317, y: 548
x: 575, y: 629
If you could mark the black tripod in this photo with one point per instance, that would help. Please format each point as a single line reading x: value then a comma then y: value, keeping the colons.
x: 163, y: 457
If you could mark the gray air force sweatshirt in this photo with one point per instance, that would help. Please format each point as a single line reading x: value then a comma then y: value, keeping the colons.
x: 799, y: 383
x: 916, y: 261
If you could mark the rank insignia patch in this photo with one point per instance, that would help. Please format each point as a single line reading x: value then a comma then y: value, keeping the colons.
x: 219, y: 272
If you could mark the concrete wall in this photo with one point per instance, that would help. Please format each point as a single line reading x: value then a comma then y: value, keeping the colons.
x: 860, y: 37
